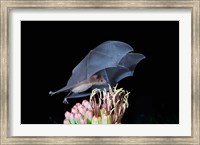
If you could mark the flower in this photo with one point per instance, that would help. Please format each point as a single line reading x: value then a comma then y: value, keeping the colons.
x: 104, y: 107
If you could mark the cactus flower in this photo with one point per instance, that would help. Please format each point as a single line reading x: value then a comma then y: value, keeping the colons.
x: 104, y: 107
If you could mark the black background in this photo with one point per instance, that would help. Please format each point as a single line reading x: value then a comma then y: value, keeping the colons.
x: 50, y: 50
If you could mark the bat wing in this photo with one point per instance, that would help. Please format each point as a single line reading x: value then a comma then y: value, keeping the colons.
x: 124, y: 69
x: 131, y: 60
x: 127, y: 66
x: 106, y: 55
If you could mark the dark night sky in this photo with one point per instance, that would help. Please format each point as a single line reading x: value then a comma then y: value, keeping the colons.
x: 50, y: 50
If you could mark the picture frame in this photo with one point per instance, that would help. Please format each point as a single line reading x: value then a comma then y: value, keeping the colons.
x: 6, y: 6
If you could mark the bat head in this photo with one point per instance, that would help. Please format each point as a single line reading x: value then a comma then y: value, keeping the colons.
x: 99, y: 80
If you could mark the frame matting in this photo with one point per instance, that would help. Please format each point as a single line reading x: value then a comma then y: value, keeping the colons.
x: 6, y: 5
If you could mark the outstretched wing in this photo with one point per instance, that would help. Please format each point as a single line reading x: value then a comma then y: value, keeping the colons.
x: 131, y: 60
x: 106, y: 55
x: 124, y: 69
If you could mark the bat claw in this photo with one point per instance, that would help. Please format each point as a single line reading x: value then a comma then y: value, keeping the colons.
x: 65, y: 101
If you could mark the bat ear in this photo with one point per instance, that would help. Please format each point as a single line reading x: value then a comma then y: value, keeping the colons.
x: 95, y: 76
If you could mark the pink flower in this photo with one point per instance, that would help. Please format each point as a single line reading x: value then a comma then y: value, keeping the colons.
x: 89, y: 115
x: 72, y: 118
x: 86, y: 104
x: 78, y: 104
x: 78, y: 116
x: 74, y: 109
x: 66, y: 121
x: 83, y: 121
x: 82, y: 110
x: 67, y: 115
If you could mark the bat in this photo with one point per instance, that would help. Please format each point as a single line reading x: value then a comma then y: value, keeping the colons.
x: 108, y: 63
